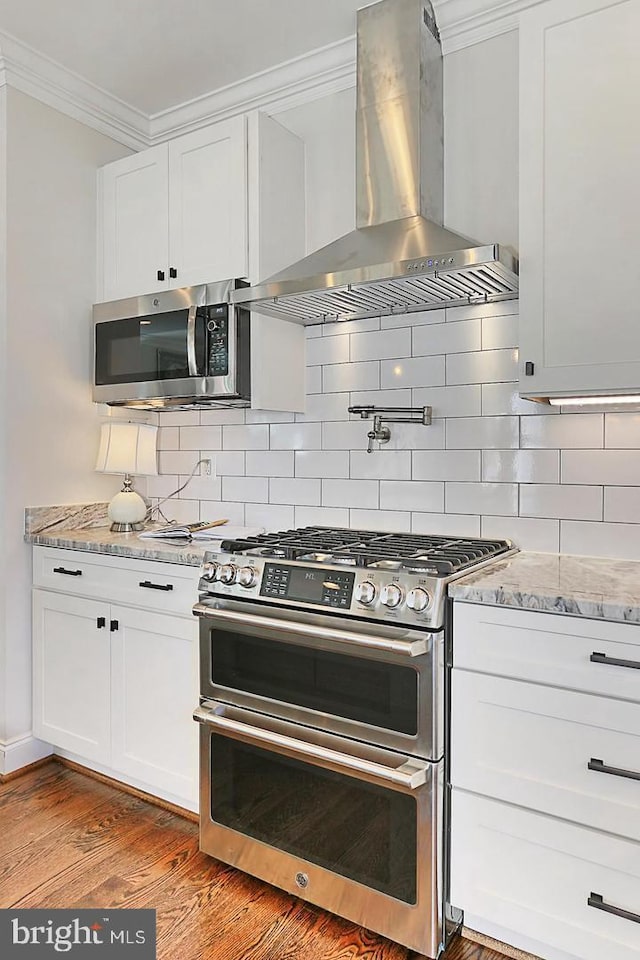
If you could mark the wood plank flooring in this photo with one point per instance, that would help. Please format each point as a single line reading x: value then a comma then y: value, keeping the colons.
x: 69, y: 841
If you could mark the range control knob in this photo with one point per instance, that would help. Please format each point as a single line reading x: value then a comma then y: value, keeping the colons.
x: 418, y: 600
x: 365, y: 592
x: 247, y: 576
x: 392, y: 595
x: 227, y: 573
x: 210, y: 570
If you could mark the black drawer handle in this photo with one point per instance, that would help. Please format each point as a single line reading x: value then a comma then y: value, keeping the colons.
x: 173, y: 273
x: 160, y: 274
x: 101, y: 622
x: 601, y: 767
x: 596, y: 900
x: 68, y: 573
x: 613, y: 661
x: 155, y: 586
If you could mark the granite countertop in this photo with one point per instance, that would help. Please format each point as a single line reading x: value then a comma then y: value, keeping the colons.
x: 581, y: 586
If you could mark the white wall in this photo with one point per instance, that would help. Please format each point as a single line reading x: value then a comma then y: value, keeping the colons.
x: 52, y: 431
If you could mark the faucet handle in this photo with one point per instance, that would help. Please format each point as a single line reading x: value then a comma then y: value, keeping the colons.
x: 371, y: 435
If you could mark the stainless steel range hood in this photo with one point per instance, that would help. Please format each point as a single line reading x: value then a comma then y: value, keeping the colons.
x: 399, y: 259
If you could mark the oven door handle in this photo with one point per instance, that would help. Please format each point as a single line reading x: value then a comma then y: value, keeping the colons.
x: 408, y: 648
x: 192, y: 360
x: 413, y: 775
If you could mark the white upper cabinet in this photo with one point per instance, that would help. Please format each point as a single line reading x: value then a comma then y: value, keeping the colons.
x: 223, y: 202
x: 579, y: 198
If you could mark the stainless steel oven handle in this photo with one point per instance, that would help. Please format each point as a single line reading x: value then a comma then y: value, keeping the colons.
x: 411, y: 779
x: 192, y: 360
x: 408, y: 648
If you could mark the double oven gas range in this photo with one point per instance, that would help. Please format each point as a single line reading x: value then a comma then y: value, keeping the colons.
x: 324, y: 719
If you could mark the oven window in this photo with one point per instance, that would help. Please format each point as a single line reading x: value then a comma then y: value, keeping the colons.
x: 367, y: 691
x: 358, y: 830
x: 147, y: 348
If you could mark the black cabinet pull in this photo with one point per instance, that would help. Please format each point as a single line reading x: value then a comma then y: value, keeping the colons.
x: 614, y: 661
x: 68, y: 573
x: 596, y: 900
x: 114, y: 625
x: 155, y: 586
x: 173, y: 273
x: 160, y: 274
x: 599, y: 766
x: 101, y: 622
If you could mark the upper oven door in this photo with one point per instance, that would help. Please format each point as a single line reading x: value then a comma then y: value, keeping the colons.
x: 380, y: 684
x: 174, y: 344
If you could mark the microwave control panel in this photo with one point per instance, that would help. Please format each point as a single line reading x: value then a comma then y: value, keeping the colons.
x: 218, y: 340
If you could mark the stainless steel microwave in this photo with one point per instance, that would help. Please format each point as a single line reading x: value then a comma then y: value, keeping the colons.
x: 176, y: 349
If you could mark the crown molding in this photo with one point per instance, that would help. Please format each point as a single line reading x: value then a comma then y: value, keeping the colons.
x: 317, y: 74
x: 38, y: 76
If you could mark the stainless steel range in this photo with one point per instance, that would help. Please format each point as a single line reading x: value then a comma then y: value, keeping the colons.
x: 324, y: 719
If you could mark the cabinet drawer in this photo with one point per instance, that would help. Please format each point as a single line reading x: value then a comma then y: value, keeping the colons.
x: 550, y: 649
x: 164, y: 587
x: 532, y: 745
x: 530, y: 877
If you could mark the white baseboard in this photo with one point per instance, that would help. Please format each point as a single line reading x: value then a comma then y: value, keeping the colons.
x: 21, y: 751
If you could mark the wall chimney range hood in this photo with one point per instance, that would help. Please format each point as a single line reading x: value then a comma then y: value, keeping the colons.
x: 399, y: 259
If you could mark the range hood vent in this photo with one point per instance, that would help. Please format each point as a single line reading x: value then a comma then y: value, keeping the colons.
x: 399, y: 259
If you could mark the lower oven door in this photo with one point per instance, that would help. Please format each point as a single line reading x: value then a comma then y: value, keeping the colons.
x: 375, y: 682
x: 352, y: 828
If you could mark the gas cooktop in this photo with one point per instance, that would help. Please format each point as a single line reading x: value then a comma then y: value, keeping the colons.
x: 439, y: 556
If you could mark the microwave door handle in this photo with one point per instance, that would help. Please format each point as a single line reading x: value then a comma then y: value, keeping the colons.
x: 192, y: 360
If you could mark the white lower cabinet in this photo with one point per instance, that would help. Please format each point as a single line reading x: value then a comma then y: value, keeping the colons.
x: 545, y: 770
x: 115, y: 686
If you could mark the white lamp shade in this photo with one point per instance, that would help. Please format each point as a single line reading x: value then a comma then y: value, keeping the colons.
x: 128, y: 448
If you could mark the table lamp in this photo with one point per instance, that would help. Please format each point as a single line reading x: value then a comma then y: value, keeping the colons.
x: 128, y: 448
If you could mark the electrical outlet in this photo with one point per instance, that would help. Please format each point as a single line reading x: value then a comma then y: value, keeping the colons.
x: 206, y: 467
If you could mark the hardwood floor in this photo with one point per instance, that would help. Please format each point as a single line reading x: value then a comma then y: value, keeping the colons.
x: 69, y: 841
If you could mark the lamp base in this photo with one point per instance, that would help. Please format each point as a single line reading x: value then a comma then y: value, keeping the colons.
x: 126, y: 527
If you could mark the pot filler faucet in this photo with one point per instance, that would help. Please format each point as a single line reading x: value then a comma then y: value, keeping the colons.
x: 381, y: 415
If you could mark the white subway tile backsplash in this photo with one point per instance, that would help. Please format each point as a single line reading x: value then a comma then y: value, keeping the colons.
x: 500, y: 399
x: 446, y: 465
x: 521, y: 466
x: 350, y: 493
x: 561, y: 501
x: 169, y: 438
x: 269, y: 416
x: 351, y: 435
x: 177, y: 461
x: 381, y: 465
x: 541, y: 536
x: 271, y: 516
x: 622, y: 430
x: 322, y: 516
x: 343, y: 327
x: 162, y: 486
x: 200, y: 488
x: 325, y: 406
x: 622, y: 504
x: 296, y: 436
x: 445, y: 524
x: 230, y: 463
x: 459, y: 337
x: 322, y: 463
x: 245, y: 489
x: 379, y: 398
x: 200, y: 438
x: 183, y: 511
x: 222, y: 509
x: 412, y: 372
x: 328, y: 350
x: 574, y: 430
x: 314, y: 379
x: 416, y: 436
x: 485, y: 366
x: 180, y: 418
x: 380, y: 345
x: 339, y: 377
x: 415, y: 319
x: 253, y: 436
x: 462, y: 401
x: 500, y: 332
x: 607, y: 467
x: 412, y: 495
x: 213, y: 417
x: 619, y: 540
x: 472, y: 311
x: 295, y: 491
x: 482, y: 498
x: 393, y: 521
x: 473, y: 433
x: 269, y: 463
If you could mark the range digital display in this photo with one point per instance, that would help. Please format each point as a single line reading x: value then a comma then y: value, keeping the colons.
x: 326, y: 588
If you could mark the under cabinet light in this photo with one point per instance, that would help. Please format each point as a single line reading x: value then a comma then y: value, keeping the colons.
x: 594, y: 401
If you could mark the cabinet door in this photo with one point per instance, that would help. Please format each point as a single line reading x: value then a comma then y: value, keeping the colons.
x: 134, y: 212
x: 208, y: 204
x: 154, y: 693
x: 71, y: 674
x: 579, y: 196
